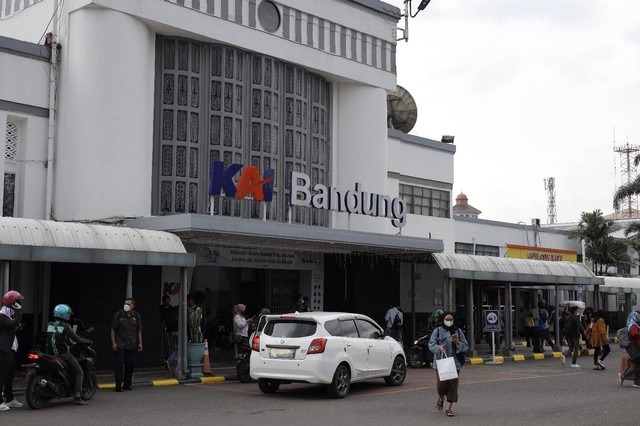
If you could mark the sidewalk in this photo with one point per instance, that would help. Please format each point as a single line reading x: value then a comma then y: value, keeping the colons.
x: 523, y: 353
x: 223, y: 368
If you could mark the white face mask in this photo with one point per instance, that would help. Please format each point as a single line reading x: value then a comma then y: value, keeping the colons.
x: 126, y: 308
x: 448, y: 323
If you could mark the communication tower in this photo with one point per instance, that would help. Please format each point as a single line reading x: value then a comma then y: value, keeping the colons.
x: 550, y: 187
x: 628, y: 152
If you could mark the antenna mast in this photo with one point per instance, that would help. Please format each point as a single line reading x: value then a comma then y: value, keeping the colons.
x: 627, y: 152
x: 550, y: 187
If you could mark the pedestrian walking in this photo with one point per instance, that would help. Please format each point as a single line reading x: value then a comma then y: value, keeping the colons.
x: 126, y: 338
x: 572, y: 330
x: 597, y: 333
x: 449, y: 340
x: 394, y: 320
x: 10, y: 317
x: 60, y: 337
x: 528, y: 323
x: 169, y: 328
x: 633, y: 329
x: 241, y: 325
x: 543, y: 325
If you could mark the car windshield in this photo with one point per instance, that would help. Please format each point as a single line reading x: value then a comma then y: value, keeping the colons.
x: 290, y: 328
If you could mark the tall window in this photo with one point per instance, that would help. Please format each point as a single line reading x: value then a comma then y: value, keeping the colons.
x: 10, y: 154
x: 426, y: 201
x: 214, y: 102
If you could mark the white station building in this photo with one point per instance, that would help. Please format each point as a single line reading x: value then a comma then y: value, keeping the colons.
x: 239, y: 148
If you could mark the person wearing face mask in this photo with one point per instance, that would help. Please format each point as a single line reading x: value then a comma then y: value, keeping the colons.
x: 10, y: 317
x: 448, y: 339
x: 126, y: 337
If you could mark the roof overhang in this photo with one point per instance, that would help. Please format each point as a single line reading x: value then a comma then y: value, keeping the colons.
x: 620, y: 284
x: 537, y: 272
x: 49, y: 241
x: 236, y: 232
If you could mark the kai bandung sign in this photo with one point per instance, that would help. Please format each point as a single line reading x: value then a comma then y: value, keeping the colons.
x: 250, y: 183
x: 318, y: 196
x: 354, y: 201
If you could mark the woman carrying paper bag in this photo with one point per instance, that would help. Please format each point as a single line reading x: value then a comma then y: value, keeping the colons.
x: 447, y: 341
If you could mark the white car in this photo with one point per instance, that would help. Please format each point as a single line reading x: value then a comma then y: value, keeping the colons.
x: 331, y: 348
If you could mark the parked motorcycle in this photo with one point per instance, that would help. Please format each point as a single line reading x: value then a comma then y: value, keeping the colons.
x: 419, y: 354
x: 48, y: 378
x: 243, y: 362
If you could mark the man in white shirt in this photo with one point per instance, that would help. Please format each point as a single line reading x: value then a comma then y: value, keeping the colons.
x: 394, y: 328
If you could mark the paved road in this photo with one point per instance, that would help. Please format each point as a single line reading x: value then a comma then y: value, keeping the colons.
x: 540, y: 392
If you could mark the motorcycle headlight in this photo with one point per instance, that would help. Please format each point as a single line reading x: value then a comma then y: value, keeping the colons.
x: 415, y: 342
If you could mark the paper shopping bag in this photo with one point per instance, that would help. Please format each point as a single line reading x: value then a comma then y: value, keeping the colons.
x: 447, y: 368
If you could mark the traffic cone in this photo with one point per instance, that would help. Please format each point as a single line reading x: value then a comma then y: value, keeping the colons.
x: 206, y: 366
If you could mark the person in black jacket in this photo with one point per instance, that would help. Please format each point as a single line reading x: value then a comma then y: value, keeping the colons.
x: 59, y: 338
x: 10, y: 317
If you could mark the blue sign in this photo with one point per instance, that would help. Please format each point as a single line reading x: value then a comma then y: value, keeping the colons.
x: 491, y: 320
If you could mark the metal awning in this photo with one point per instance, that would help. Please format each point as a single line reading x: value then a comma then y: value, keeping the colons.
x: 235, y: 232
x: 619, y: 285
x: 49, y: 241
x: 488, y: 268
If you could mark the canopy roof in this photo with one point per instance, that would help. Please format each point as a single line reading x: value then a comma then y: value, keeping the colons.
x: 620, y: 284
x: 50, y: 241
x: 488, y: 268
x: 234, y: 232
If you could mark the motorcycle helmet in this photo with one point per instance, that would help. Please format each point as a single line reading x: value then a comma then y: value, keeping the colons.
x: 11, y: 297
x: 62, y: 311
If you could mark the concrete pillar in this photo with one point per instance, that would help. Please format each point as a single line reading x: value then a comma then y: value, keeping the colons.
x: 471, y: 338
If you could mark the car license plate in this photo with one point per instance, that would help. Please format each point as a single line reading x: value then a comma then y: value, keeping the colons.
x: 281, y: 353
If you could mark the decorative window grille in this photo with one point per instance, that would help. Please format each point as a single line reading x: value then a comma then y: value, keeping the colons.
x: 10, y: 154
x: 219, y: 103
x: 11, y: 142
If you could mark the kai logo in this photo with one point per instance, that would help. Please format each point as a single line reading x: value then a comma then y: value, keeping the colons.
x: 250, y: 182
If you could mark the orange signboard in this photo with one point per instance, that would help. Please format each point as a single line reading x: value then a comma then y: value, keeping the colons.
x: 541, y: 253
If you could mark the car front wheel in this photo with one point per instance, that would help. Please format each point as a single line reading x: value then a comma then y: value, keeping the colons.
x: 398, y: 372
x: 339, y: 387
x: 268, y: 385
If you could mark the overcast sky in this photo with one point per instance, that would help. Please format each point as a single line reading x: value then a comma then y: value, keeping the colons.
x: 531, y: 89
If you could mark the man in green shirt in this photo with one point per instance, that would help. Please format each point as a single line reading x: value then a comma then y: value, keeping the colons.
x: 126, y: 337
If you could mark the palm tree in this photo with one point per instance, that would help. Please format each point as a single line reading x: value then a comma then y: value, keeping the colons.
x: 602, y: 249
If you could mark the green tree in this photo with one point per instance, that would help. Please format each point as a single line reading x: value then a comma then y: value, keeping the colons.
x: 628, y: 190
x: 601, y: 248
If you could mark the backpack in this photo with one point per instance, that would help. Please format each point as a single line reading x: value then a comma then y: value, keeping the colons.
x: 570, y: 326
x: 397, y: 322
x: 623, y: 338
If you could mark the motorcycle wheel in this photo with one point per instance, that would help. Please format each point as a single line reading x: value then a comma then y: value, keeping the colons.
x: 89, y: 386
x: 414, y: 357
x: 35, y: 393
x: 242, y: 370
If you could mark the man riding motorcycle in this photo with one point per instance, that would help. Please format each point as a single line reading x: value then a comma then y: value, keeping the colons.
x: 59, y: 338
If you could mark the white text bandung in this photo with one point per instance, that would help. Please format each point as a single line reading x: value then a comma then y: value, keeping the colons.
x: 352, y: 201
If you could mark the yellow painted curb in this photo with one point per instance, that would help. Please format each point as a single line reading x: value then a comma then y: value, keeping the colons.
x: 523, y: 344
x: 538, y: 356
x: 499, y: 359
x: 475, y: 361
x: 557, y: 354
x: 107, y: 386
x: 165, y: 382
x: 518, y: 357
x: 212, y: 379
x: 591, y: 352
